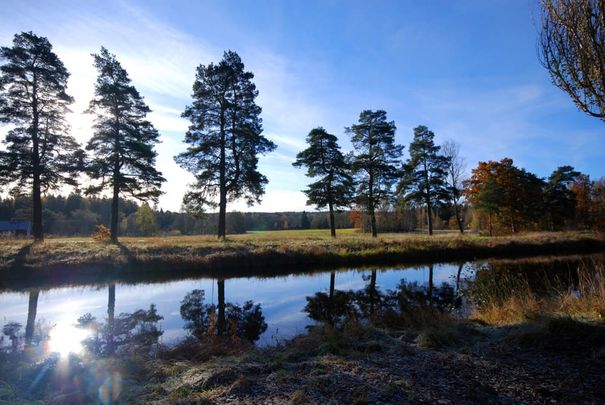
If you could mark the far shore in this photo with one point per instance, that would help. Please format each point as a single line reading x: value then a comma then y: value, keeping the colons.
x: 64, y: 261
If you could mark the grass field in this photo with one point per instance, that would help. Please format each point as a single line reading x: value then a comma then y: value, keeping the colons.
x: 275, y: 252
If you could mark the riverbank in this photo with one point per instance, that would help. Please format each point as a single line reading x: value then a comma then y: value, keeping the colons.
x: 547, y: 360
x: 516, y: 332
x: 530, y: 363
x: 79, y: 260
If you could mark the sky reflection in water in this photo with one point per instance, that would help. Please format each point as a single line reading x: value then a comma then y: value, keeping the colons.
x: 282, y: 300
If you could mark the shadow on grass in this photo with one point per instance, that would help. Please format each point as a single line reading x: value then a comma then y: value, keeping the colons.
x: 125, y: 251
x: 19, y: 259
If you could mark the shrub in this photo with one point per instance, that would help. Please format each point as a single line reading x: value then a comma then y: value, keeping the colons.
x: 102, y: 234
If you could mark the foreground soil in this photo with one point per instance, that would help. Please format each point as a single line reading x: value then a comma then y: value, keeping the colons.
x: 81, y: 260
x: 551, y: 360
x: 483, y: 365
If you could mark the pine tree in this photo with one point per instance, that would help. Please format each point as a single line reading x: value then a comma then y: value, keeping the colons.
x: 305, y: 222
x: 124, y: 140
x: 376, y: 161
x: 224, y: 139
x: 559, y: 199
x: 324, y: 159
x: 39, y: 155
x: 424, y: 181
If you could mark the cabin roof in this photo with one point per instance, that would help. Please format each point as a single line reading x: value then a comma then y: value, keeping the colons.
x: 14, y: 226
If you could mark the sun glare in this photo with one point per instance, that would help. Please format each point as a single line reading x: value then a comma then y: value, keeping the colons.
x: 65, y: 338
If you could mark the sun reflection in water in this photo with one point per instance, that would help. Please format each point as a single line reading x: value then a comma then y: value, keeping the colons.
x: 66, y: 338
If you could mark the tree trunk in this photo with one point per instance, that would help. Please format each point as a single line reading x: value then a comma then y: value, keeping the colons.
x: 489, y: 223
x: 372, y: 291
x: 460, y: 266
x: 330, y: 303
x: 115, y: 208
x: 222, y: 213
x: 429, y: 212
x: 221, y: 308
x: 373, y: 223
x: 111, y: 309
x: 32, y: 310
x: 332, y: 279
x: 458, y: 219
x: 430, y: 292
x: 332, y: 222
x: 37, y: 170
x: 371, y: 206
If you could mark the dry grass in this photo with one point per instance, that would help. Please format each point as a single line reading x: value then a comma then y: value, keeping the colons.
x: 584, y: 301
x: 265, y: 252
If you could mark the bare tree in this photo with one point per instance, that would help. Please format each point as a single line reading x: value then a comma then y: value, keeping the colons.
x: 456, y: 167
x: 573, y: 50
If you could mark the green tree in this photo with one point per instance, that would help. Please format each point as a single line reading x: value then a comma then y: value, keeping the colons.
x: 123, y: 141
x: 488, y: 200
x: 39, y: 155
x: 425, y: 172
x: 559, y: 199
x: 145, y: 220
x: 323, y: 159
x: 224, y: 139
x: 521, y: 201
x: 305, y: 222
x: 375, y: 163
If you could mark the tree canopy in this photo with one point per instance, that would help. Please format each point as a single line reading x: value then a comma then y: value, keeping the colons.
x: 572, y: 49
x: 519, y: 192
x: 39, y: 155
x: 225, y: 138
x: 424, y: 174
x: 123, y: 141
x: 324, y: 160
x: 375, y: 161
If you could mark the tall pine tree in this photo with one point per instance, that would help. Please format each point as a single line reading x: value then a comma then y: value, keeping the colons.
x: 123, y: 141
x: 40, y: 155
x: 424, y: 179
x: 376, y: 160
x: 323, y: 159
x: 224, y: 139
x: 559, y: 199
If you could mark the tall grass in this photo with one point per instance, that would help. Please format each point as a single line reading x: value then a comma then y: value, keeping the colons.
x: 511, y: 299
x: 261, y: 253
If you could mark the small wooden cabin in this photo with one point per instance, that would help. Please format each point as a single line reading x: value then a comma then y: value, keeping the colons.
x: 15, y: 228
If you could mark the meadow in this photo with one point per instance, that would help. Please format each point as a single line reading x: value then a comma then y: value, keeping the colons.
x: 77, y: 260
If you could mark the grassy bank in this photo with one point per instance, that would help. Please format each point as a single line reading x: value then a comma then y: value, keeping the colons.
x: 64, y: 260
x: 544, y: 343
x: 437, y: 359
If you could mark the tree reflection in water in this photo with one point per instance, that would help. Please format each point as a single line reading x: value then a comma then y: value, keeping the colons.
x: 203, y: 322
x: 370, y: 303
x: 128, y: 332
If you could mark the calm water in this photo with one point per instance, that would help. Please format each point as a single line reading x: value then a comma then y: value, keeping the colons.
x: 282, y: 300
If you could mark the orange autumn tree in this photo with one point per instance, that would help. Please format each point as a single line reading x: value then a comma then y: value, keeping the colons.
x: 515, y: 195
x: 598, y: 203
x: 582, y: 188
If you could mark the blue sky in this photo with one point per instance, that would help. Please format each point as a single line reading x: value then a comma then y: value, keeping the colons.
x: 466, y: 69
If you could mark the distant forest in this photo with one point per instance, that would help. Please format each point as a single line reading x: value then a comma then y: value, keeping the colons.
x: 76, y: 215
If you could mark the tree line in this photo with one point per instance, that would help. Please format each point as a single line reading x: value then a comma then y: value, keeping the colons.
x: 77, y: 215
x: 224, y: 143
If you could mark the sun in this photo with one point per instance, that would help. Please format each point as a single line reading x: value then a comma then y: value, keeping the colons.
x: 65, y: 338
